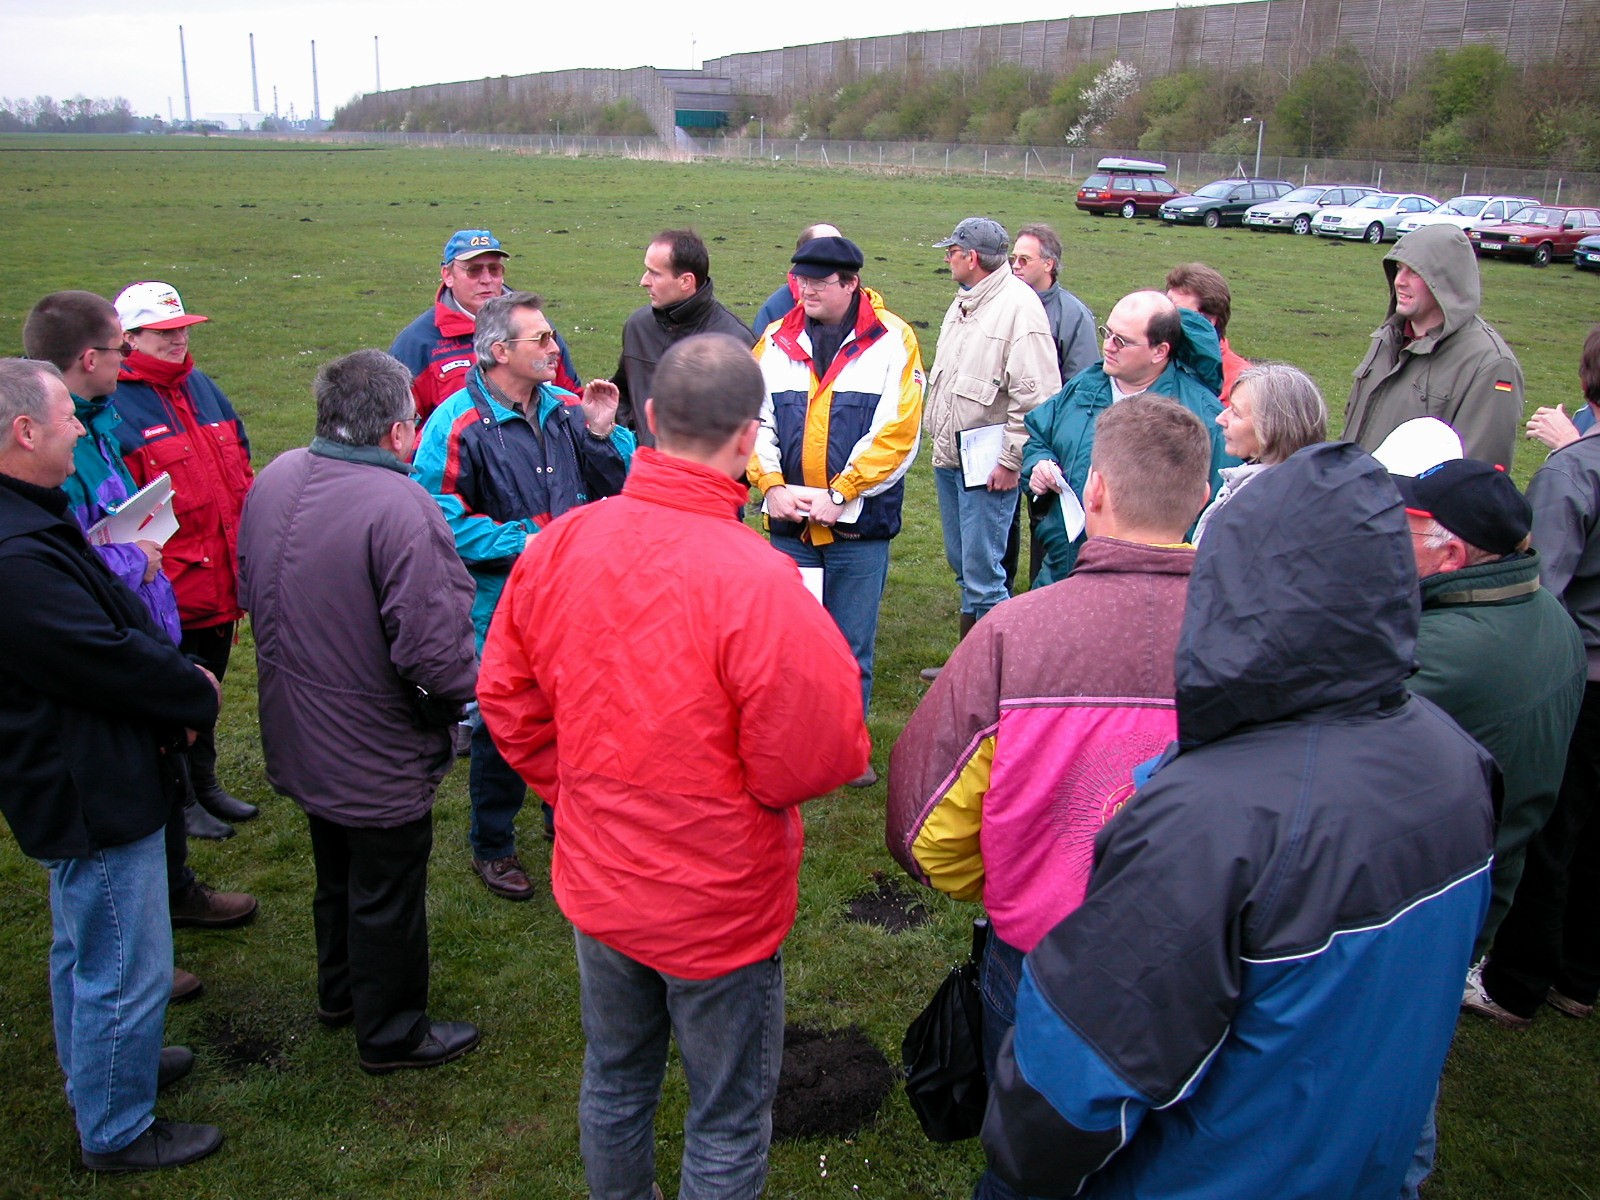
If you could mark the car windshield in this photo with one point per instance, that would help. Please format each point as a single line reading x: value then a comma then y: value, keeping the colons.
x: 1540, y: 216
x: 1464, y: 206
x: 1095, y: 181
x: 1381, y: 200
x: 1305, y: 195
x: 1220, y: 190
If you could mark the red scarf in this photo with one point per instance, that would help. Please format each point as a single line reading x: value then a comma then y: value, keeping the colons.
x: 166, y: 377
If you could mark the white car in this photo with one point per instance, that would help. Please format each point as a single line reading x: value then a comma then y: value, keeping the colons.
x: 1298, y: 210
x: 1470, y: 212
x: 1375, y: 218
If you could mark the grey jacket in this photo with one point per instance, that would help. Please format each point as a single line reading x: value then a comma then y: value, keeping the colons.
x: 1463, y: 373
x: 357, y: 598
x: 1072, y: 327
x: 1565, y: 495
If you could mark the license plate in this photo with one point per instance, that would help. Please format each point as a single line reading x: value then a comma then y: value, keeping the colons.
x: 1594, y: 258
x: 1491, y: 245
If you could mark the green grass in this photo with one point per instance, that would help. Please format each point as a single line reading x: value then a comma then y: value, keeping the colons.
x: 301, y: 255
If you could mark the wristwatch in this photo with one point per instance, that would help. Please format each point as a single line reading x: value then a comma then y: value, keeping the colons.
x: 836, y: 496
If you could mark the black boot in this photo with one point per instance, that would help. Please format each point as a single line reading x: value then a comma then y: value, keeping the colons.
x: 209, y: 793
x: 198, y: 823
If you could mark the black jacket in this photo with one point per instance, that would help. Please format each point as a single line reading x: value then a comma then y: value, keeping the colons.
x: 91, y: 692
x: 649, y: 333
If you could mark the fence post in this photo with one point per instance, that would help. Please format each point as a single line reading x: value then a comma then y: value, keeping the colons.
x: 985, y: 162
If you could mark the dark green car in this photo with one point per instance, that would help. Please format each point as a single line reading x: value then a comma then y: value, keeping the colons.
x: 1223, y: 202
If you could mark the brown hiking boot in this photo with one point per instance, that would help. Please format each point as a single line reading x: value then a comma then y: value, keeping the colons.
x: 205, y: 908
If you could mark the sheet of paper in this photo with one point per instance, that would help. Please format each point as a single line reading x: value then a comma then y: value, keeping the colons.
x: 146, y: 516
x: 1071, y: 513
x: 812, y: 578
x: 848, y: 516
x: 980, y: 453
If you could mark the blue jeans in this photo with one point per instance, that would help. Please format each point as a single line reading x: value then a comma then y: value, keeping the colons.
x: 999, y: 976
x: 1422, y: 1157
x: 976, y: 526
x: 730, y: 1037
x: 853, y: 575
x: 110, y: 977
x: 497, y: 793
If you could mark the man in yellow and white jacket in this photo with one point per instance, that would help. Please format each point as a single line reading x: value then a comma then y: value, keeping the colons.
x: 840, y: 426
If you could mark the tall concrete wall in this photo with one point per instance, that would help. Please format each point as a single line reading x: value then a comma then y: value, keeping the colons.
x: 1392, y: 35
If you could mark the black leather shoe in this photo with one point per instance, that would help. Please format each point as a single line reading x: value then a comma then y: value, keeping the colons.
x: 446, y: 1042
x: 198, y: 823
x: 164, y: 1144
x: 176, y: 1062
x: 223, y: 806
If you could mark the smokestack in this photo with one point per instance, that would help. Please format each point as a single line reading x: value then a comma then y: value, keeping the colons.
x: 255, y: 90
x: 183, y: 58
x: 316, y: 98
x: 377, y: 66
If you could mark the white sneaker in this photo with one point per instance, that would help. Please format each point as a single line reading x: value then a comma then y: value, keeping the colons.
x: 1476, y: 999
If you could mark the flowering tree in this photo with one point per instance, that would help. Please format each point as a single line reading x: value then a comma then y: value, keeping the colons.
x: 1101, y: 99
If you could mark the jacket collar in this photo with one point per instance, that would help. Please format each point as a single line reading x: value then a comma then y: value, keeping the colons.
x: 1512, y: 579
x: 690, y: 311
x: 374, y: 456
x: 27, y: 508
x: 658, y: 478
x: 1115, y: 555
x: 868, y: 329
x: 980, y: 293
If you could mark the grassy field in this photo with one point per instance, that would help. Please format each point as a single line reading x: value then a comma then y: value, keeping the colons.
x: 301, y: 255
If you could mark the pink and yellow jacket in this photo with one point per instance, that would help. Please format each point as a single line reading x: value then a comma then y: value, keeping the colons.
x: 1025, y: 745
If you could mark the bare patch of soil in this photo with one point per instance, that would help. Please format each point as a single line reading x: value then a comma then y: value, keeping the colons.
x: 833, y: 1082
x: 240, y: 1049
x: 889, y: 906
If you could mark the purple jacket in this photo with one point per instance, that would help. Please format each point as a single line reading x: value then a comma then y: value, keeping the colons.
x: 357, y: 598
x: 1025, y: 745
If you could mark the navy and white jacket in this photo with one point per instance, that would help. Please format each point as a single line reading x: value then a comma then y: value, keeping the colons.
x: 1256, y: 997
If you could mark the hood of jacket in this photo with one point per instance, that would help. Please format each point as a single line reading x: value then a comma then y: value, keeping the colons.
x: 1303, y: 598
x: 1443, y: 257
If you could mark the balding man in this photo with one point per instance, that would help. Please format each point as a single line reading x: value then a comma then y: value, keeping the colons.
x: 1150, y: 345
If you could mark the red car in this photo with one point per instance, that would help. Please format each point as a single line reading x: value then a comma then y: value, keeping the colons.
x: 1537, y: 234
x: 1128, y: 186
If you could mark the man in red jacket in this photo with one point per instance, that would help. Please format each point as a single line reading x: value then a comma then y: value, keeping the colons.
x: 748, y: 703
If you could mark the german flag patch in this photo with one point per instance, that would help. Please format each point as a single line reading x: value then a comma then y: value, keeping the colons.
x: 1502, y: 385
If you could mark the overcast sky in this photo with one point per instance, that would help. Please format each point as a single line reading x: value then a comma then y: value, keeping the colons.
x: 100, y: 48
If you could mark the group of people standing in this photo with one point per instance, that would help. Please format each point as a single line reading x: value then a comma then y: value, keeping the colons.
x: 1221, y: 835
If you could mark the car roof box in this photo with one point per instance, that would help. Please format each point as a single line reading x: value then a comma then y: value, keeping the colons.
x: 1137, y: 166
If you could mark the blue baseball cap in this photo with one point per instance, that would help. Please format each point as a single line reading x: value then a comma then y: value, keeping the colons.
x: 470, y: 243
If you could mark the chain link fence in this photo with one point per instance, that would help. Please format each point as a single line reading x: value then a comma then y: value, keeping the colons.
x: 1062, y: 165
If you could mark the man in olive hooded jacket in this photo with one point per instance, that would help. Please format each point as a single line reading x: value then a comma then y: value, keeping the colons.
x: 1434, y: 356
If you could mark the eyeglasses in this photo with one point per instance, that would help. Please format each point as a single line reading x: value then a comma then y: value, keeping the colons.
x: 542, y: 339
x: 121, y: 348
x: 1118, y: 341
x: 1022, y: 260
x: 806, y: 284
x: 494, y: 269
x: 949, y: 250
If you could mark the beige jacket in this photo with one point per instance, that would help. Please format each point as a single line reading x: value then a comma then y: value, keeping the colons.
x: 996, y: 362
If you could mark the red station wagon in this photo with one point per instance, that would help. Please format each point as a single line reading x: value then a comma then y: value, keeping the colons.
x: 1539, y: 235
x: 1129, y: 186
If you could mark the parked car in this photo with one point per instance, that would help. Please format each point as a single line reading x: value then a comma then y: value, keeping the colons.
x: 1471, y: 212
x: 1586, y: 256
x: 1299, y: 208
x: 1537, y: 234
x: 1223, y: 202
x: 1130, y: 186
x: 1375, y: 218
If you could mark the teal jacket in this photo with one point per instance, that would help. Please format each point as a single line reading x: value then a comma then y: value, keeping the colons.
x: 1062, y: 428
x: 1501, y: 656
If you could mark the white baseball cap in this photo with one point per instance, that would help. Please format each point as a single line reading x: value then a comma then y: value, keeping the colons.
x: 153, y: 306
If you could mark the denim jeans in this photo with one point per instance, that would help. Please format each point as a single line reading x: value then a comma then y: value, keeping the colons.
x: 853, y: 575
x: 729, y: 1032
x: 110, y: 977
x: 976, y: 525
x: 999, y: 975
x: 497, y: 793
x: 1422, y: 1157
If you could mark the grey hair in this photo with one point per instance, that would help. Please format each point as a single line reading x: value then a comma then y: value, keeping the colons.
x: 361, y: 396
x: 993, y: 262
x: 22, y: 390
x: 1436, y: 537
x: 1287, y: 410
x: 495, y: 322
x: 1049, y: 244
